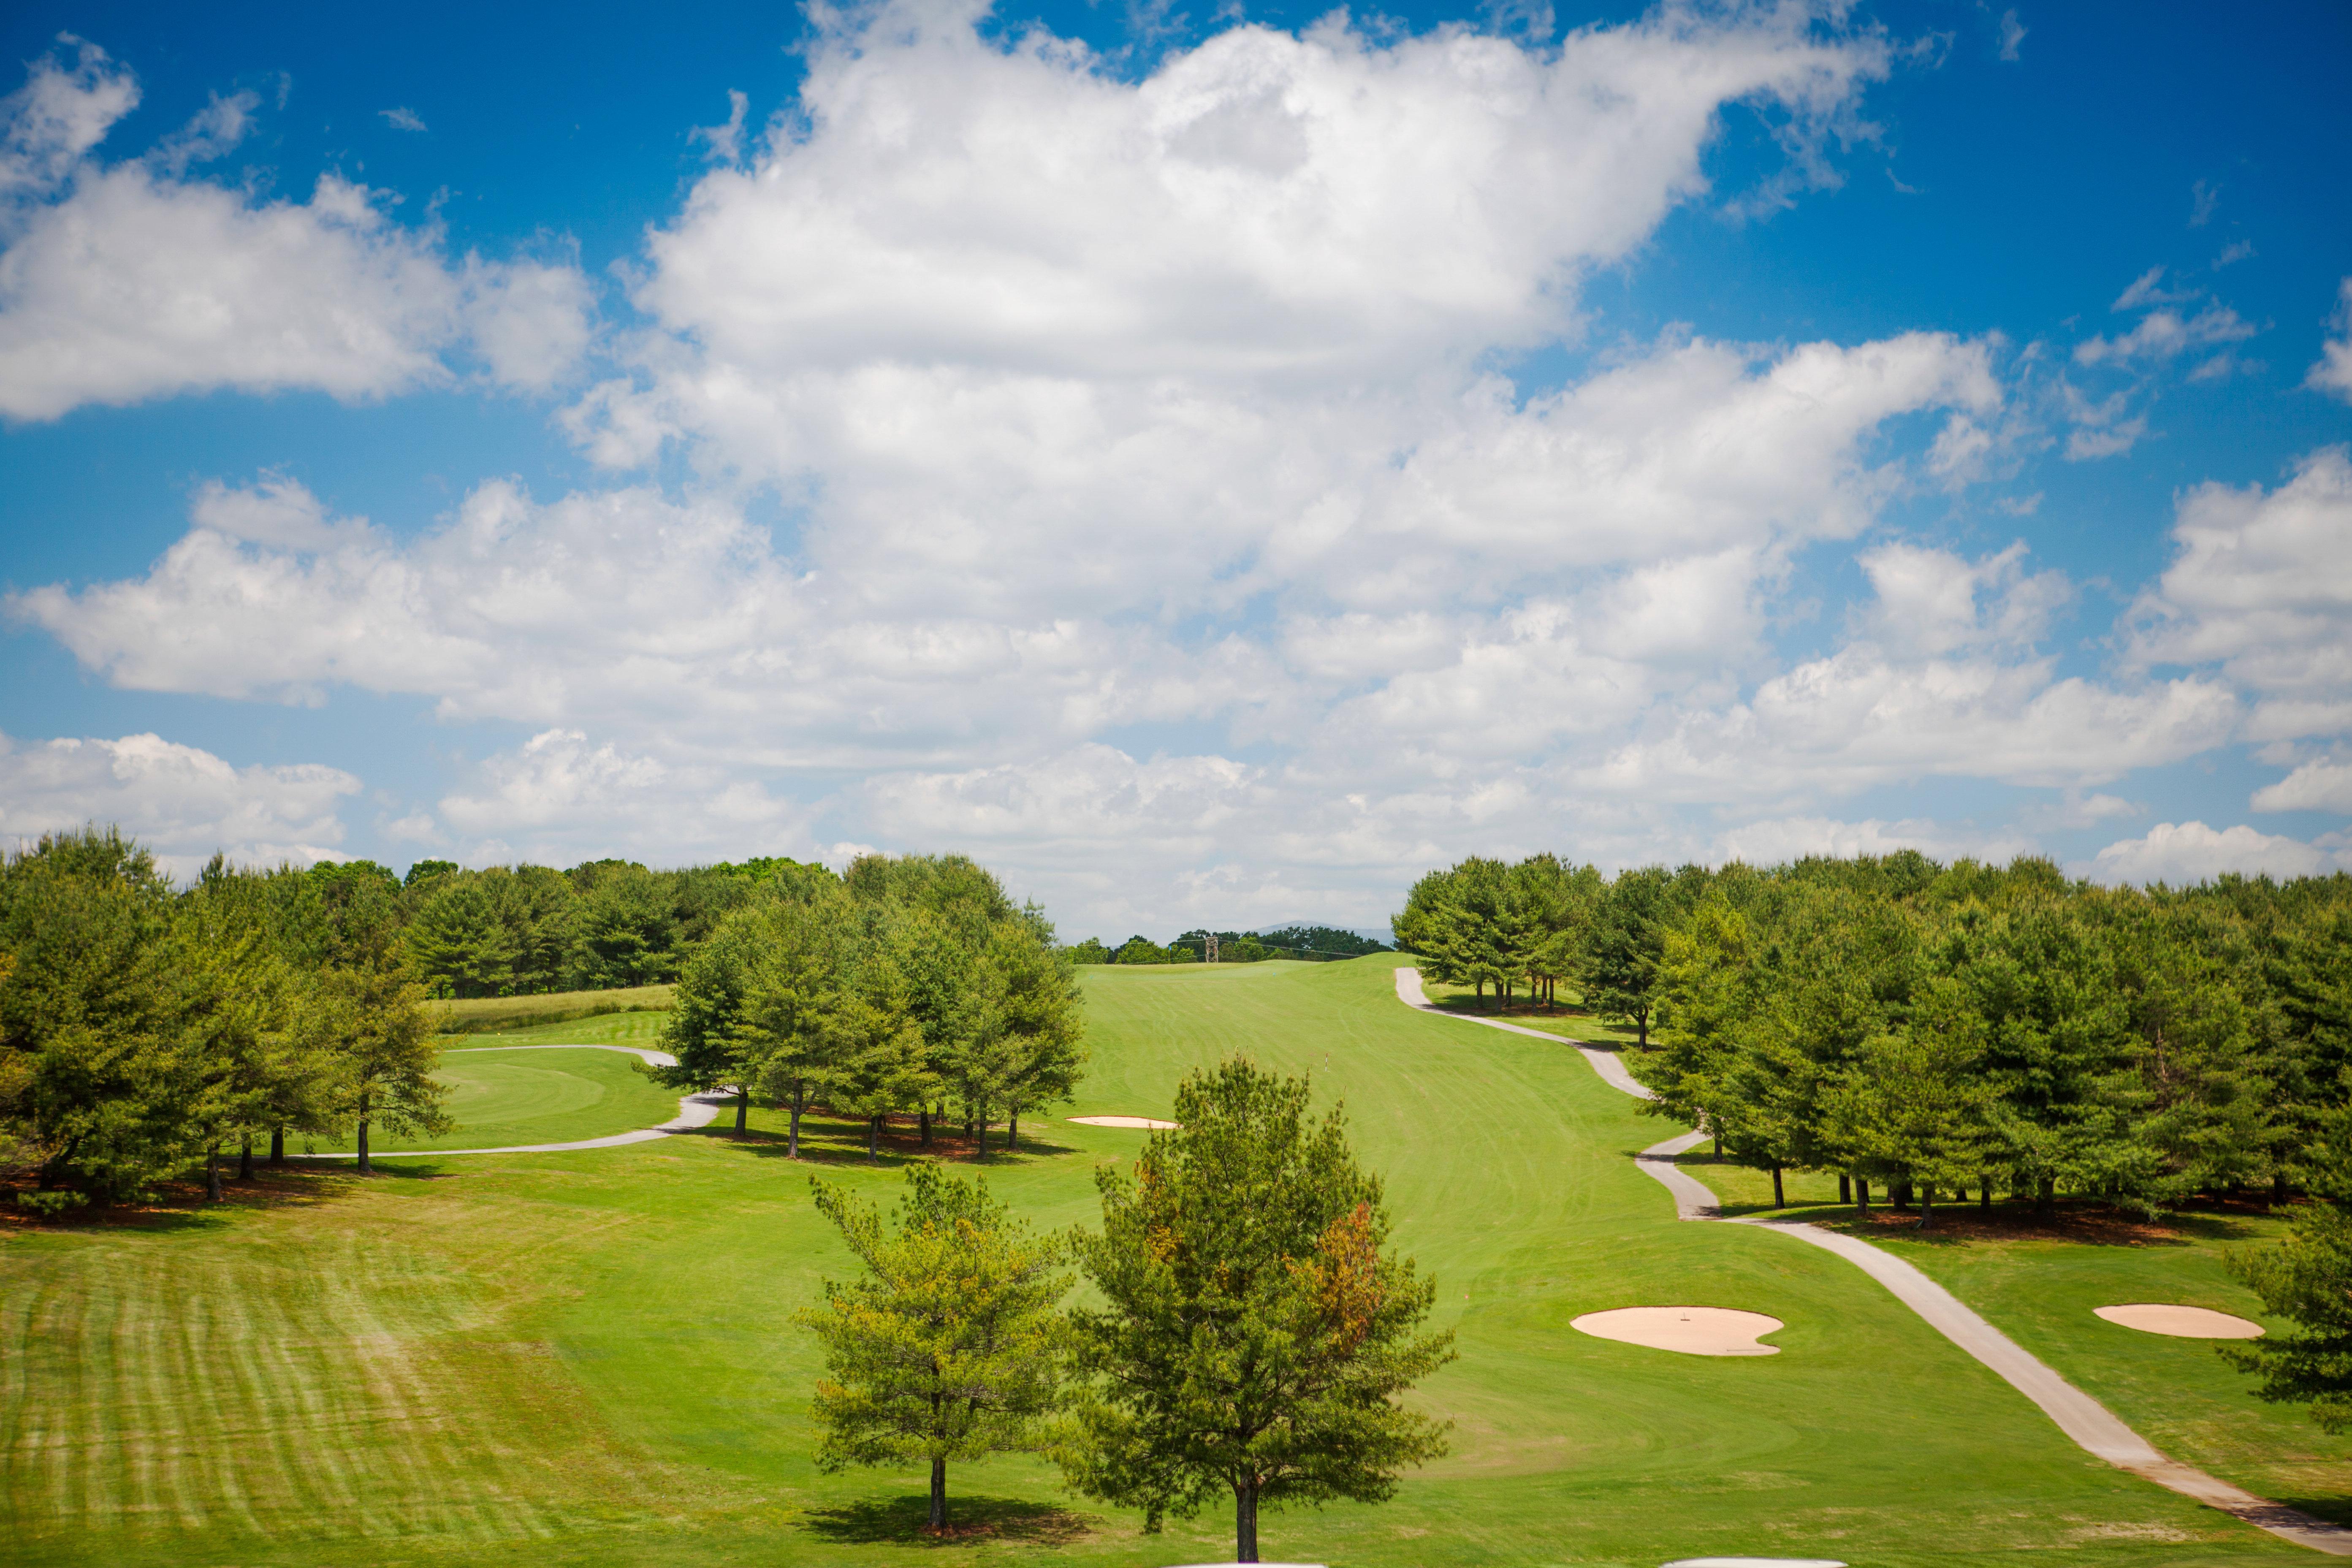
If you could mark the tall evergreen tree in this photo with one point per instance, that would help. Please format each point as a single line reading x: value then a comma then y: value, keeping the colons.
x: 1253, y: 1336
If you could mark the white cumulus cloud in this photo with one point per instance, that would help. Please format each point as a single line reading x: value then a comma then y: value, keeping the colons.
x: 2260, y: 585
x: 2188, y: 852
x: 2324, y: 783
x: 125, y: 282
x: 183, y: 803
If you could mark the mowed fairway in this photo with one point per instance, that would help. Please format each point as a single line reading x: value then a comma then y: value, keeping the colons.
x: 589, y: 1357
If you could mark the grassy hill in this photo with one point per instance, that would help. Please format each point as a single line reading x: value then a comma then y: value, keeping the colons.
x: 590, y: 1358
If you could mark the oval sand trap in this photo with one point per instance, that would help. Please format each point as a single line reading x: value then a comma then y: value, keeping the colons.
x: 1123, y: 1122
x: 2180, y: 1323
x: 1694, y: 1331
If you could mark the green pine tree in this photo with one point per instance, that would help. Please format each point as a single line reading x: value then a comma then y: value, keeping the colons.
x: 1254, y: 1337
x: 949, y: 1349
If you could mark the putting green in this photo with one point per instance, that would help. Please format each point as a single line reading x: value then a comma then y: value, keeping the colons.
x: 592, y: 1358
x: 507, y: 1095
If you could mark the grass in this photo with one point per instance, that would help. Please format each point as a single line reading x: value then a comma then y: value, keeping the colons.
x: 486, y: 1015
x: 2038, y: 1279
x: 515, y: 1088
x: 590, y: 1357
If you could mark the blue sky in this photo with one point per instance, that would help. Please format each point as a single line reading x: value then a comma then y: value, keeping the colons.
x: 1211, y: 464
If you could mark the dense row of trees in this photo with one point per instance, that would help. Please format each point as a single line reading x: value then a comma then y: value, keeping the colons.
x: 144, y: 1027
x: 1248, y: 1332
x: 513, y: 930
x: 907, y: 986
x: 1312, y: 943
x: 1934, y: 1028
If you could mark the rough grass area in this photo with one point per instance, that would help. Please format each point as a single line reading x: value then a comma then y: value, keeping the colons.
x: 590, y: 1358
x: 486, y: 1015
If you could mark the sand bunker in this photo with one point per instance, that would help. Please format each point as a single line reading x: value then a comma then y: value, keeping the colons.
x: 1123, y: 1122
x: 2180, y: 1323
x: 1694, y: 1331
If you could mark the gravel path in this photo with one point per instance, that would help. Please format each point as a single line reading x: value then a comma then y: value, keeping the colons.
x: 694, y: 1110
x: 2089, y: 1423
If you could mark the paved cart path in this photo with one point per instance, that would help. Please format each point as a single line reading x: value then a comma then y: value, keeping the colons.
x: 694, y: 1110
x: 2089, y: 1423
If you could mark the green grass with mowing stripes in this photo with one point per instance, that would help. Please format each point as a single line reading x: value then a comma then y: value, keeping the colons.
x: 589, y: 1358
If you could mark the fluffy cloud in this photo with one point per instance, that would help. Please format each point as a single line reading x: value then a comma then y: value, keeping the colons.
x: 181, y: 802
x: 2334, y: 370
x: 2322, y: 784
x: 1154, y: 518
x: 1263, y: 206
x: 2188, y: 852
x: 2260, y: 585
x: 557, y: 798
x: 1942, y: 679
x: 127, y: 281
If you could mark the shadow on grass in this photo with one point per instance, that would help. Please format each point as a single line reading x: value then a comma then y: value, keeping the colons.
x: 2077, y: 1221
x: 828, y: 1140
x: 2336, y: 1507
x: 181, y: 1204
x: 901, y: 1521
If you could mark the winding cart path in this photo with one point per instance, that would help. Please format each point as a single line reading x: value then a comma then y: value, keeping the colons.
x: 2091, y: 1425
x: 693, y: 1111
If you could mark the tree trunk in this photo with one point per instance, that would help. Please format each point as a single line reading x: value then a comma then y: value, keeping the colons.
x: 742, y: 1109
x: 1777, y: 1200
x: 1862, y: 1194
x: 1903, y: 1195
x: 1928, y: 1206
x: 365, y: 1169
x: 2278, y: 1186
x: 923, y: 1118
x: 1246, y: 1522
x: 278, y: 1146
x: 873, y: 1134
x: 1719, y: 1144
x: 1012, y: 1129
x: 793, y: 1142
x: 982, y: 1115
x: 1642, y: 1029
x: 1845, y: 1189
x: 245, y: 1159
x: 1985, y: 1202
x: 213, y: 1193
x: 939, y: 1494
x: 2045, y: 1195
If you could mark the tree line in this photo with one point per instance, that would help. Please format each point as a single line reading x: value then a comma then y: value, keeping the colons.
x: 1935, y: 1028
x: 1247, y: 1331
x: 1313, y: 944
x: 516, y: 930
x: 909, y: 985
x: 144, y: 1027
